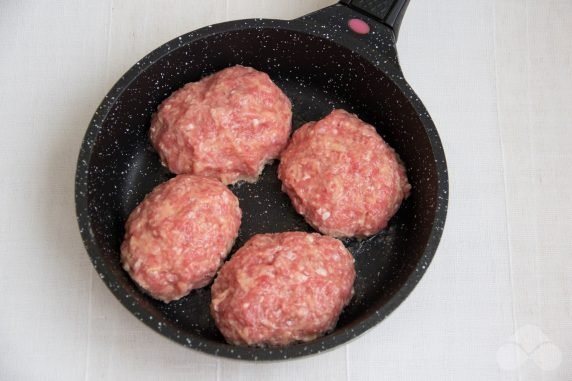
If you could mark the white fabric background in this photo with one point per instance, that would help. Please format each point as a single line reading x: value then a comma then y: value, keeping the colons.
x: 496, y: 77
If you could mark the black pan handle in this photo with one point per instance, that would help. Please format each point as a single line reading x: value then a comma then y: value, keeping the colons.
x: 389, y: 12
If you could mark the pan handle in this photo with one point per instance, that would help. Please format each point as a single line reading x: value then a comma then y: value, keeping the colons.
x: 389, y: 12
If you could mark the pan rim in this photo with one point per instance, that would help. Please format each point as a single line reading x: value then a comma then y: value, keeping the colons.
x: 168, y: 329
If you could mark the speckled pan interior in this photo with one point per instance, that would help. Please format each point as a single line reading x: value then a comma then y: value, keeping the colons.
x: 320, y: 65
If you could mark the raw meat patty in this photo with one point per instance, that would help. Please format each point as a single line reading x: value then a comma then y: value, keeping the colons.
x: 177, y: 238
x: 226, y: 126
x: 282, y: 288
x: 342, y: 177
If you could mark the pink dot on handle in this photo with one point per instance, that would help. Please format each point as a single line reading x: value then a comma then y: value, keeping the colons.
x: 358, y: 26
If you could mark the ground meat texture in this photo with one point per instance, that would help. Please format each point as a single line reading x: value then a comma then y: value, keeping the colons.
x: 177, y: 238
x: 226, y: 126
x: 282, y: 288
x: 342, y: 177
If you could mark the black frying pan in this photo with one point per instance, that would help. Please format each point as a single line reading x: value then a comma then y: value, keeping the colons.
x: 321, y: 64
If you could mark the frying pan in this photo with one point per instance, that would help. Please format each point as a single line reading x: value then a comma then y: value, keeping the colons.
x: 322, y: 61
